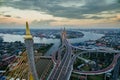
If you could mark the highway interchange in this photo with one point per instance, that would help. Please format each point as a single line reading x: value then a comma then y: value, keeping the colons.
x: 63, y: 68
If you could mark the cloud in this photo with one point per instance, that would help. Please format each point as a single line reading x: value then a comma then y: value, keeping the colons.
x: 96, y: 17
x: 17, y: 17
x: 118, y: 20
x: 42, y: 22
x: 2, y: 18
x: 118, y: 1
x: 102, y: 15
x: 7, y: 15
x: 74, y: 9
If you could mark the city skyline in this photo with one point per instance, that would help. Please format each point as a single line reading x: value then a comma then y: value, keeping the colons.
x: 57, y: 13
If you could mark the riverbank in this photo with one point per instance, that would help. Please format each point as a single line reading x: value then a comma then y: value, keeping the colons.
x: 87, y: 36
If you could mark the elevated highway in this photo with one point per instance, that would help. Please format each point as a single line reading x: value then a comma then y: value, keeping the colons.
x: 63, y: 68
x: 96, y: 50
x: 105, y: 70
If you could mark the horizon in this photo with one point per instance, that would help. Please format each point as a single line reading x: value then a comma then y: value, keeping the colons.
x: 56, y: 14
x: 67, y: 28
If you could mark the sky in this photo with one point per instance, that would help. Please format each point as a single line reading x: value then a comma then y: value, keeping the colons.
x: 60, y: 13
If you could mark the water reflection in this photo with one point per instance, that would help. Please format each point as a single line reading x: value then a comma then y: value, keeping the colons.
x: 87, y: 36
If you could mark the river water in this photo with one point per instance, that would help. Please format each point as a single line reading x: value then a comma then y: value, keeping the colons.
x: 54, y: 48
x: 87, y: 36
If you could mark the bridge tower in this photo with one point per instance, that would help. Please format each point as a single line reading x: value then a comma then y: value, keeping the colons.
x: 30, y: 53
x: 63, y: 35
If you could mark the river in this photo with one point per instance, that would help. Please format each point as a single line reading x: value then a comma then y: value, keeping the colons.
x: 87, y: 36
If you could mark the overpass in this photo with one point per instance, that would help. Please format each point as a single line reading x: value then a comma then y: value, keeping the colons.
x: 65, y: 66
x: 105, y: 70
x: 62, y: 69
x: 96, y: 50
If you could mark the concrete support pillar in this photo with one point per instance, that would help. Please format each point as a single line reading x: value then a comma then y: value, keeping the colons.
x: 86, y: 77
x: 30, y: 54
x: 105, y: 77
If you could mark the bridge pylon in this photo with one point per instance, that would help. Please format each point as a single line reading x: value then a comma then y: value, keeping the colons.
x: 63, y: 35
x: 30, y: 53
